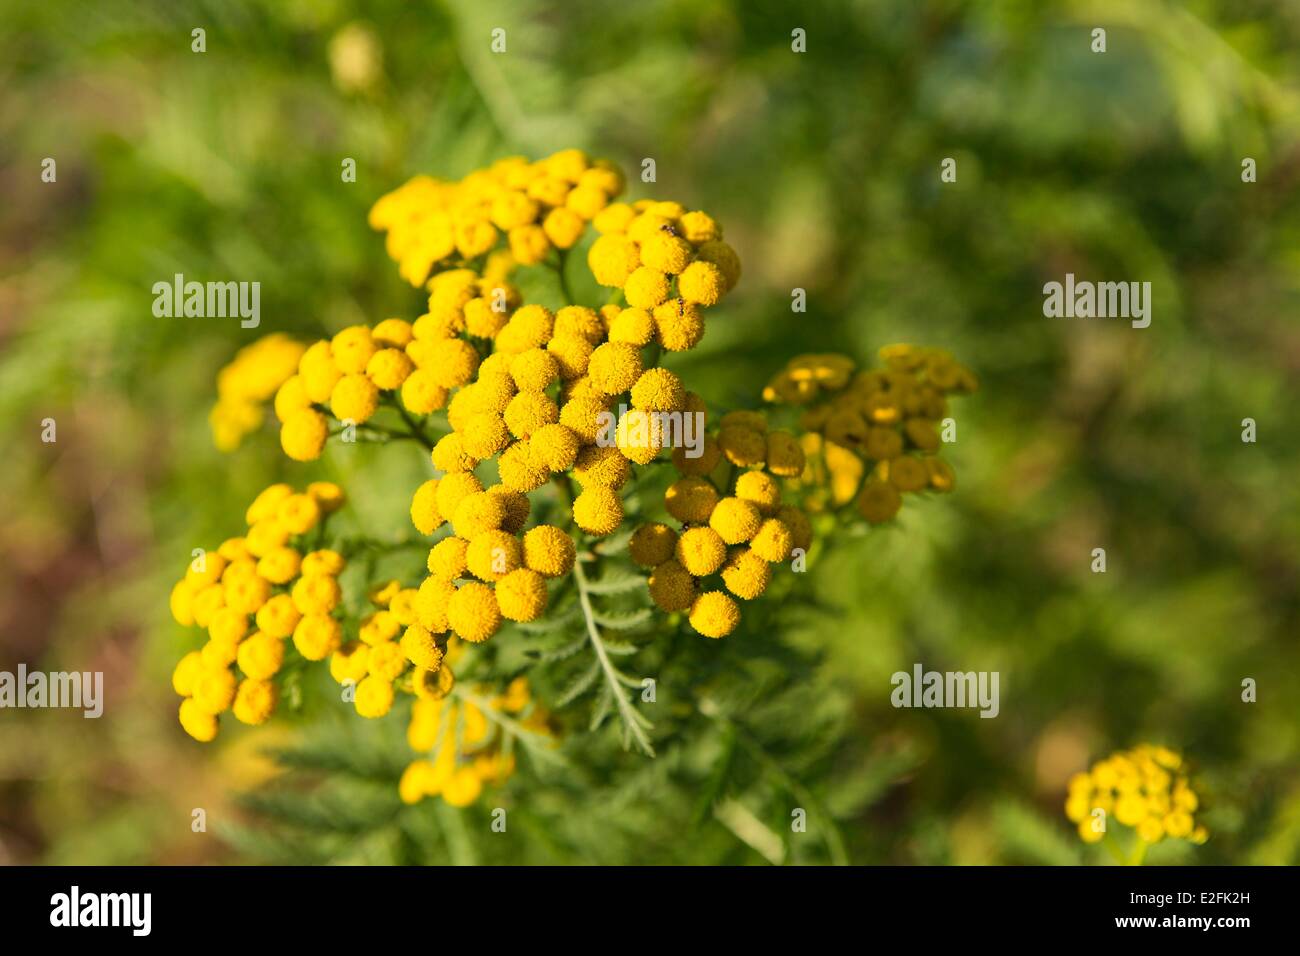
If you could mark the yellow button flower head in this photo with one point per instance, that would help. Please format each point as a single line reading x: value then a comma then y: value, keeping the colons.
x: 635, y: 327
x: 389, y: 368
x: 317, y: 636
x: 431, y: 603
x: 691, y: 500
x: 454, y: 488
x: 279, y: 565
x: 521, y: 595
x: 658, y: 390
x: 473, y: 612
x: 517, y: 508
x: 639, y: 436
x: 351, y: 662
x: 678, y: 325
x: 785, y: 458
x: 601, y: 466
x: 261, y: 656
x: 379, y: 627
x: 672, y: 587
x: 666, y: 251
x: 529, y: 244
x: 420, y: 648
x: 303, y: 434
x: 615, y: 367
x: 735, y: 520
x: 701, y: 551
x: 186, y: 673
x: 324, y: 561
x: 773, y: 540
x: 197, y: 722
x: 316, y: 594
x: 374, y: 697
x: 612, y: 259
x: 746, y: 574
x: 652, y: 544
x: 228, y: 624
x: 598, y: 510
x: 387, y: 660
x: 478, y: 512
x: 355, y: 398
x: 392, y: 333
x: 318, y: 372
x: 572, y: 355
x: 447, y: 558
x: 646, y: 288
x: 493, y: 554
x: 534, y: 370
x: 549, y: 551
x: 214, y: 689
x: 449, y: 454
x: 724, y: 257
x: 352, y: 349
x: 530, y: 327
x: 714, y: 614
x: 452, y: 362
x: 520, y: 471
x: 245, y: 593
x: 582, y: 416
x: 761, y: 489
x: 743, y: 446
x: 530, y: 411
x: 328, y: 496
x: 255, y: 701
x: 801, y: 533
x: 703, y: 463
x: 554, y: 445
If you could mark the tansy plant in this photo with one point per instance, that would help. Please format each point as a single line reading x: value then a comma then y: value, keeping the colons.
x: 1146, y: 791
x: 561, y: 447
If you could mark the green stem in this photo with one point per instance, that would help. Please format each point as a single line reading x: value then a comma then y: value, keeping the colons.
x: 562, y: 272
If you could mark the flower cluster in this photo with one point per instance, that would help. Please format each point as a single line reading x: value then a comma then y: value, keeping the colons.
x: 872, y: 436
x: 247, y: 383
x: 466, y: 748
x: 1145, y: 788
x: 729, y: 497
x: 664, y: 258
x: 251, y: 595
x: 537, y: 206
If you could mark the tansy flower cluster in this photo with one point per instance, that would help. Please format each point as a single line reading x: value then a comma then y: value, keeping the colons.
x: 420, y: 362
x: 731, y: 523
x: 244, y: 386
x: 392, y: 652
x: 529, y: 207
x: 1145, y: 788
x: 664, y: 258
x: 872, y: 436
x: 252, y: 595
x: 465, y: 747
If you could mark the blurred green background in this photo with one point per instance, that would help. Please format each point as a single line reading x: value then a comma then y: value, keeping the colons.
x: 824, y: 169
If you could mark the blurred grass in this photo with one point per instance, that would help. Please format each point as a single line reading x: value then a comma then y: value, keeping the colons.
x: 824, y: 169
